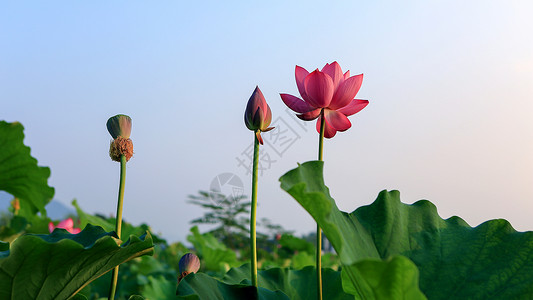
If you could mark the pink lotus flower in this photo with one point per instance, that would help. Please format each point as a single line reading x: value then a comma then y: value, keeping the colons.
x: 67, y: 224
x: 328, y: 91
x: 257, y: 115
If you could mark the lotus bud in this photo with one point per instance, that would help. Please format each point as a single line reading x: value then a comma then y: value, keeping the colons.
x: 119, y: 127
x: 257, y: 115
x: 189, y: 263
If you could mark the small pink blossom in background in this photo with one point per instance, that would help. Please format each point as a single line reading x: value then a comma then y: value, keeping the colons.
x: 67, y: 224
x: 329, y: 90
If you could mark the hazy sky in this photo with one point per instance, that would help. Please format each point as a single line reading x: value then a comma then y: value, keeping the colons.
x: 450, y: 85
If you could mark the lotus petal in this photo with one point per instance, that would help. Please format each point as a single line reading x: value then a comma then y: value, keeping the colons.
x: 346, y: 92
x: 296, y: 104
x: 329, y: 131
x: 319, y: 88
x: 337, y: 120
x: 335, y: 72
x: 354, y: 107
x: 300, y: 74
x: 309, y: 116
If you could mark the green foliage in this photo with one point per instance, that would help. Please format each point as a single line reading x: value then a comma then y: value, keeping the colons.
x: 58, y: 265
x: 135, y: 277
x: 296, y: 244
x: 394, y: 278
x: 213, y: 254
x: 159, y: 288
x: 288, y: 284
x: 296, y: 284
x: 109, y: 224
x: 455, y: 260
x: 135, y: 274
x: 19, y: 174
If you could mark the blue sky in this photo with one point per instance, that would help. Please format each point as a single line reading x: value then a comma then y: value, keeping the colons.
x: 450, y: 85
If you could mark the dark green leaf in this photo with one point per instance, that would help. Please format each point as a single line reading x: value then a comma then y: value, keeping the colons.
x: 201, y: 286
x: 58, y: 265
x: 19, y: 174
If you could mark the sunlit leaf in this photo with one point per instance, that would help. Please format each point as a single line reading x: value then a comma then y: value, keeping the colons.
x: 455, y: 260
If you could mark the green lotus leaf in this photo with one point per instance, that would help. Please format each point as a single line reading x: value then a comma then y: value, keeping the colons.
x: 201, y: 286
x: 58, y: 265
x: 455, y: 261
x: 19, y: 174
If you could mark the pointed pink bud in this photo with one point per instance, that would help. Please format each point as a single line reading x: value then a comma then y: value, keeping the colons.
x: 257, y: 115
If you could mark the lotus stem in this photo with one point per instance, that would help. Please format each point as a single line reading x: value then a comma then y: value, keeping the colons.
x: 118, y: 226
x: 318, y: 229
x: 253, y: 243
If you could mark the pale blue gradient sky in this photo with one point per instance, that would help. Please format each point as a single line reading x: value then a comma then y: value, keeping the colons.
x: 450, y: 85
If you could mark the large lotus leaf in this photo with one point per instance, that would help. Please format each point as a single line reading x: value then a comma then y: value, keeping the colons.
x: 202, y: 286
x: 19, y: 174
x: 296, y: 284
x: 58, y: 265
x: 490, y: 261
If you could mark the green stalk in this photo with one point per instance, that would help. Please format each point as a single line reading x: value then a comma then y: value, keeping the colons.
x: 118, y: 226
x: 318, y: 230
x: 253, y: 244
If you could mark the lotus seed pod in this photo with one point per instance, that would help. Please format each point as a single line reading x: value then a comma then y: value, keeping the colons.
x: 121, y: 146
x: 119, y: 125
x: 189, y: 263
